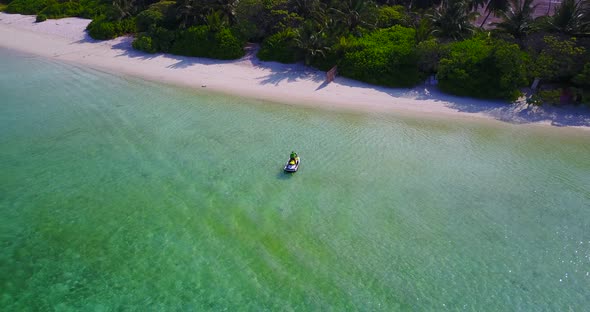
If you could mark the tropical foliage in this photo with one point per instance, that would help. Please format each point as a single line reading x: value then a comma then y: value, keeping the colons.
x: 453, y: 20
x: 26, y: 6
x: 386, y: 42
x: 388, y: 16
x: 482, y: 67
x: 517, y: 19
x: 386, y: 57
x: 560, y: 59
x: 583, y: 78
x: 102, y: 28
x: 429, y: 53
x: 571, y: 17
x: 281, y: 47
x: 59, y: 9
x: 496, y: 7
x: 205, y: 42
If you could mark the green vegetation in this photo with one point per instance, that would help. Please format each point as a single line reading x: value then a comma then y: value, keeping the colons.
x: 393, y: 15
x: 481, y: 67
x: 204, y: 42
x: 145, y: 43
x: 583, y: 78
x: 102, y: 28
x: 148, y: 19
x: 570, y: 18
x: 57, y: 9
x: 370, y: 40
x: 452, y: 20
x: 429, y: 53
x: 517, y: 18
x: 560, y: 59
x: 28, y: 7
x: 385, y: 57
x: 281, y: 47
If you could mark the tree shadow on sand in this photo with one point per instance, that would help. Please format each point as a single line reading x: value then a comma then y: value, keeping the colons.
x: 125, y: 49
x: 516, y: 113
x: 288, y: 73
x: 511, y: 112
x: 86, y: 39
x: 279, y: 72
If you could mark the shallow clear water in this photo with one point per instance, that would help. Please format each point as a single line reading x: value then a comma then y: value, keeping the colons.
x: 120, y: 194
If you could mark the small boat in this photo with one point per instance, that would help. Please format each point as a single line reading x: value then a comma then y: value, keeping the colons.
x: 292, y: 166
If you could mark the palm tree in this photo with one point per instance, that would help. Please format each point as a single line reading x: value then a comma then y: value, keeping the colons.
x: 355, y: 13
x: 216, y: 21
x: 473, y: 5
x: 452, y: 20
x: 124, y: 8
x: 312, y: 40
x: 306, y: 8
x: 494, y: 6
x: 187, y: 12
x: 227, y: 8
x: 570, y: 17
x: 517, y: 19
x: 192, y: 12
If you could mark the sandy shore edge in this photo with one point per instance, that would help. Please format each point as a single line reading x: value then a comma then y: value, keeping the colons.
x: 66, y: 40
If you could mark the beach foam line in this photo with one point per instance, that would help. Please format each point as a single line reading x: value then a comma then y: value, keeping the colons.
x: 66, y: 39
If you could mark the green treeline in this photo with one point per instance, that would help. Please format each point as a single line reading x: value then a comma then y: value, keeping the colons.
x: 57, y: 9
x: 395, y: 43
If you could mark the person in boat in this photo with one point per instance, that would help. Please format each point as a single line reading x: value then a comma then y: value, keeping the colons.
x: 292, y: 158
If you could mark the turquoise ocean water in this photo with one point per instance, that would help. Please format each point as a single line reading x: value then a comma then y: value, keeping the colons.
x: 120, y: 194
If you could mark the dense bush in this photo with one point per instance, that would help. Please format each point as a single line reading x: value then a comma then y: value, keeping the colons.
x: 28, y: 7
x: 168, y: 9
x: 583, y: 78
x: 552, y: 97
x: 127, y: 26
x: 149, y: 18
x: 257, y: 20
x: 201, y: 41
x: 40, y: 18
x: 103, y: 29
x: 393, y: 15
x: 330, y: 57
x: 157, y: 39
x: 144, y: 43
x: 192, y: 42
x: 92, y: 8
x: 226, y: 45
x: 429, y: 54
x: 385, y: 57
x: 249, y: 22
x: 162, y: 38
x: 483, y: 68
x: 559, y: 60
x: 57, y: 9
x: 280, y: 47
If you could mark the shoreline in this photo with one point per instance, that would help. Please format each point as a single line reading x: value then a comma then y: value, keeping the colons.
x: 66, y: 40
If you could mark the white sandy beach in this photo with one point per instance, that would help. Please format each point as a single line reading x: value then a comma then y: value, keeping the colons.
x: 66, y: 40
